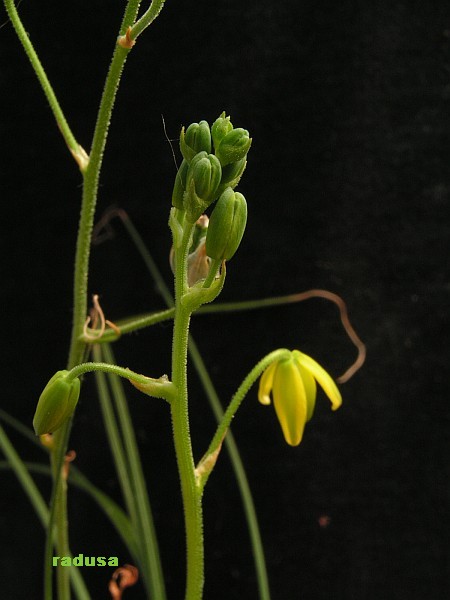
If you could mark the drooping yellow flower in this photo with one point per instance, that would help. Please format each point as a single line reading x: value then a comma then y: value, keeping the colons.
x: 292, y: 383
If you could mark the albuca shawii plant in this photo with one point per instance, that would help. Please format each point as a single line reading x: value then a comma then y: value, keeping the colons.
x: 207, y: 220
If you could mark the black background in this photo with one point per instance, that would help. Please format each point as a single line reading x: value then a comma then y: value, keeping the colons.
x: 348, y: 189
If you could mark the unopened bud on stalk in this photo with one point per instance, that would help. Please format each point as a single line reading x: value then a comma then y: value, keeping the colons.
x: 220, y: 128
x: 197, y: 138
x: 202, y: 182
x: 56, y: 403
x: 233, y: 146
x: 226, y: 225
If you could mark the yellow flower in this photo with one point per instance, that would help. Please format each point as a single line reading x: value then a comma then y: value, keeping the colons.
x: 292, y: 383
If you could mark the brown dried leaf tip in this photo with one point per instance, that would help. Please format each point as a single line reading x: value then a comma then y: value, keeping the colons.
x: 122, y: 578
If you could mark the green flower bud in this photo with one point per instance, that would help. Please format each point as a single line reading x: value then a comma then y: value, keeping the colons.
x: 220, y: 128
x: 196, y: 139
x: 202, y: 182
x: 226, y: 225
x: 180, y: 185
x: 205, y: 172
x: 56, y: 403
x: 234, y: 146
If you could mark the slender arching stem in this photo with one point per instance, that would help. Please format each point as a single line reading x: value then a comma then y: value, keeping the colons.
x: 89, y: 200
x: 76, y: 150
x: 147, y: 18
x: 236, y: 401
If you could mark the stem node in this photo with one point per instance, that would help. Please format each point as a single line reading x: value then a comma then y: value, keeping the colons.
x: 81, y: 157
x: 126, y: 41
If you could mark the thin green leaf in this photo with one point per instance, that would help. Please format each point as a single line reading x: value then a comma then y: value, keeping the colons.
x: 151, y: 563
x: 22, y: 471
x: 111, y: 509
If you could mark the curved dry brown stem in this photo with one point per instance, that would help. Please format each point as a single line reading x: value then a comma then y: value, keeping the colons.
x: 360, y: 346
x: 103, y: 230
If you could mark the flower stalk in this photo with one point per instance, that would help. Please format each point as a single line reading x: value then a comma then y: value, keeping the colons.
x: 235, y: 403
x: 191, y: 494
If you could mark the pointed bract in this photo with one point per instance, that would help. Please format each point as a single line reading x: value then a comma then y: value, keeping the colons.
x: 220, y: 128
x: 180, y: 185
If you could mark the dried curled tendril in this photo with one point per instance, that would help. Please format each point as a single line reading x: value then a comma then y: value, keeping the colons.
x: 99, y: 323
x: 122, y: 578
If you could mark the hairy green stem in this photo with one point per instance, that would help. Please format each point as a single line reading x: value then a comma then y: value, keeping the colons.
x: 57, y: 517
x: 91, y: 176
x: 90, y: 168
x: 215, y: 264
x: 191, y: 494
x: 89, y: 367
x: 147, y: 18
x: 240, y: 474
x: 62, y: 536
x: 158, y: 388
x: 131, y: 324
x: 240, y: 395
x: 89, y: 200
x: 230, y: 444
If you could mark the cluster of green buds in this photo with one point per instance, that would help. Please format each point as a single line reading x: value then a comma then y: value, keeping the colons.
x: 214, y: 159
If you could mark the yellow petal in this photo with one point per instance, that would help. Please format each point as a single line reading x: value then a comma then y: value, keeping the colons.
x: 289, y: 398
x: 265, y: 384
x: 310, y: 389
x: 322, y: 378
